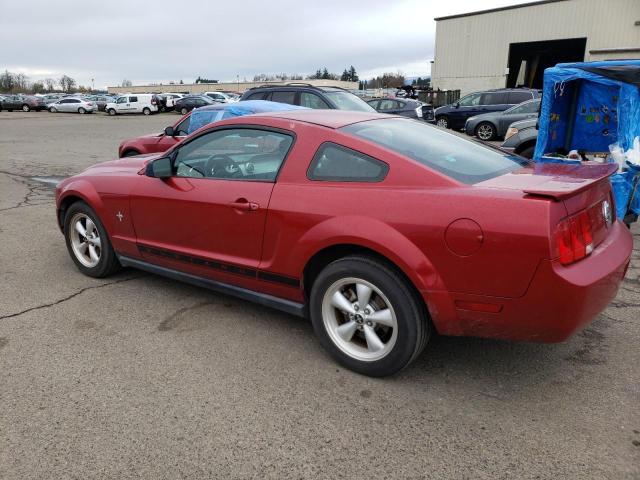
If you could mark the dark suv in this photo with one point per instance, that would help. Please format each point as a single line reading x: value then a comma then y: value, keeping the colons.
x: 455, y: 115
x: 306, y: 95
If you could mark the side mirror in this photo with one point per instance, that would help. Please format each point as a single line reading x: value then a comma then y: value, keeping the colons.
x: 169, y: 132
x: 457, y: 105
x: 160, y: 168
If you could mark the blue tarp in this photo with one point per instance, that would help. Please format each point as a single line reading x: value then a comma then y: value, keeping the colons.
x: 213, y: 113
x: 588, y: 111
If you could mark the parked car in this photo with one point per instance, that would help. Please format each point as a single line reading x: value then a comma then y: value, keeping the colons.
x: 306, y: 95
x: 262, y: 207
x: 188, y: 103
x: 490, y: 126
x: 169, y: 100
x: 455, y: 115
x: 101, y: 101
x: 221, y: 97
x: 159, y: 142
x: 521, y: 137
x: 72, y: 105
x: 405, y: 107
x: 25, y: 103
x: 144, y: 103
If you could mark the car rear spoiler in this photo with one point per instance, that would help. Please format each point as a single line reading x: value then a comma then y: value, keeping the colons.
x: 564, y: 182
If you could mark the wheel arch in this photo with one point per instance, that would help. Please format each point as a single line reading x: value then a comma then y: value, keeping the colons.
x: 83, y: 191
x: 524, y: 145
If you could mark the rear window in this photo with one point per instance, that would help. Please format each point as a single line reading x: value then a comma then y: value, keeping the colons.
x: 458, y: 158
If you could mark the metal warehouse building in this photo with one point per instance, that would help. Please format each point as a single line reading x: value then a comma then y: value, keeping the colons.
x: 511, y: 46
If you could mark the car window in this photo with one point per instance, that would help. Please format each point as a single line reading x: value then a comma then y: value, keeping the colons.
x: 234, y: 154
x: 493, y: 98
x: 527, y: 107
x: 122, y: 100
x: 335, y: 163
x: 470, y: 100
x: 133, y: 99
x: 75, y: 100
x: 519, y: 97
x: 256, y: 96
x: 348, y: 101
x: 386, y: 105
x: 456, y: 157
x: 311, y: 100
x: 284, y: 97
x: 183, y: 127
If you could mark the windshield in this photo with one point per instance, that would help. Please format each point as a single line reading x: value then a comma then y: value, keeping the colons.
x: 454, y: 156
x: 348, y: 101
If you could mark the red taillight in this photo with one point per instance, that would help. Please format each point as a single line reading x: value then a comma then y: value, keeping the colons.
x: 574, y: 238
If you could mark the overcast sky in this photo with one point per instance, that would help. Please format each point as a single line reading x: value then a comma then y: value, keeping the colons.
x: 160, y: 40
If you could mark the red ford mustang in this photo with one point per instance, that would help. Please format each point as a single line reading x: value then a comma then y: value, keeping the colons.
x: 381, y: 229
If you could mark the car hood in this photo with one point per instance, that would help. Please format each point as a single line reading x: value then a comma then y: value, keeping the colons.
x: 126, y: 165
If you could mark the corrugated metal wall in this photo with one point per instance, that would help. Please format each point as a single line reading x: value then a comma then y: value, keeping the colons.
x: 472, y: 52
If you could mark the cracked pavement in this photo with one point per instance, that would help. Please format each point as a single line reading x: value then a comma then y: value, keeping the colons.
x: 136, y: 376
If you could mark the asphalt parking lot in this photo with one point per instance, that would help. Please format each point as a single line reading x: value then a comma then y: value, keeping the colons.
x: 136, y: 376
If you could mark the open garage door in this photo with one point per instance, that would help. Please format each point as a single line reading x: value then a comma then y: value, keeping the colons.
x: 527, y: 60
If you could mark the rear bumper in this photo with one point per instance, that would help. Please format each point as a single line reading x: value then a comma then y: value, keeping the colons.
x: 560, y: 300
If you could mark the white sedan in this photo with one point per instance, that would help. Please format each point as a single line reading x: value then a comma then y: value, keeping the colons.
x: 72, y: 105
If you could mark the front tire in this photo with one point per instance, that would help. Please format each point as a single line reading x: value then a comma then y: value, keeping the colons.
x: 26, y: 108
x: 367, y: 316
x: 146, y: 111
x: 130, y: 153
x: 88, y: 243
x: 184, y: 111
x: 528, y: 152
x: 53, y: 110
x: 112, y: 112
x: 486, y: 131
x: 442, y: 121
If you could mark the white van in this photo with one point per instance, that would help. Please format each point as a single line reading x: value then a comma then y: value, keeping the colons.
x: 133, y: 103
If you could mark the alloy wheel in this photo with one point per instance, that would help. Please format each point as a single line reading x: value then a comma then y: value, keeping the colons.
x: 25, y: 108
x: 85, y: 240
x: 359, y: 319
x: 485, y: 131
x: 442, y: 122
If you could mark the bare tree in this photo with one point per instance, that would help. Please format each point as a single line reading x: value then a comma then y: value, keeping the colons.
x: 67, y: 83
x: 50, y: 83
x: 126, y: 83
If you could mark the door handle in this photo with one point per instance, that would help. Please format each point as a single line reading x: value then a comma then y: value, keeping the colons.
x: 244, y: 205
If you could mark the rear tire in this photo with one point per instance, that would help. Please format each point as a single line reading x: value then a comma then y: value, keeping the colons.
x: 112, y: 112
x: 442, y: 121
x: 130, y: 153
x: 146, y: 111
x: 378, y: 338
x: 184, y: 111
x: 485, y: 131
x: 88, y: 243
x: 82, y: 111
x: 26, y: 108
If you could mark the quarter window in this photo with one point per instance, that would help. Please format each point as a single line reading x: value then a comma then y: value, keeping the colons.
x: 493, y: 98
x: 335, y: 163
x: 133, y: 99
x: 234, y: 154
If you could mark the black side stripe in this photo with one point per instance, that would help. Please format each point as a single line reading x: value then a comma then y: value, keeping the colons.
x: 222, y: 266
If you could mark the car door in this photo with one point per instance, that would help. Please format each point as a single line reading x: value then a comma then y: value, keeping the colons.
x: 208, y: 218
x: 122, y: 104
x: 466, y: 107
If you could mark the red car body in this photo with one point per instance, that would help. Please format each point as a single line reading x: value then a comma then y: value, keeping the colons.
x: 157, y: 142
x: 487, y: 259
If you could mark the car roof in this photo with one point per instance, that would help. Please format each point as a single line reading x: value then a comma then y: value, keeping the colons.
x: 325, y: 118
